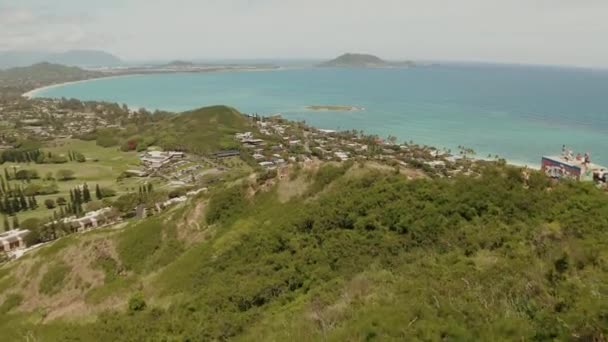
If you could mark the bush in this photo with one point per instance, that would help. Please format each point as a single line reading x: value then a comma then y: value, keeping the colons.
x: 65, y: 175
x: 177, y: 193
x: 31, y: 224
x: 49, y: 203
x: 126, y: 203
x: 137, y: 303
x: 40, y: 189
x: 57, y: 159
x: 53, y: 279
x: 226, y: 204
x: 137, y: 243
x: 107, y: 192
x: 26, y: 174
x: 106, y: 141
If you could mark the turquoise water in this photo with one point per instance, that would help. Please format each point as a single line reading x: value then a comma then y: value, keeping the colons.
x: 519, y: 113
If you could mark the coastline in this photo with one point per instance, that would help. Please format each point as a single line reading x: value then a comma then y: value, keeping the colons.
x: 33, y: 93
x: 36, y: 93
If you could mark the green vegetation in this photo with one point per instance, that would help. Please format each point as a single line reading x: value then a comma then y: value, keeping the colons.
x: 15, y: 81
x: 10, y: 302
x: 137, y: 245
x: 200, y: 131
x: 39, y: 184
x: 226, y: 204
x: 362, y: 255
x: 52, y: 281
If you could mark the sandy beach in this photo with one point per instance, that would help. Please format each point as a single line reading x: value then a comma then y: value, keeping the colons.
x: 32, y: 93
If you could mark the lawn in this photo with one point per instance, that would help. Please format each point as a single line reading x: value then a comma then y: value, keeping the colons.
x: 102, y: 166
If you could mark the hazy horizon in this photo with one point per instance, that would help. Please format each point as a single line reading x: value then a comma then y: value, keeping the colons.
x: 538, y: 32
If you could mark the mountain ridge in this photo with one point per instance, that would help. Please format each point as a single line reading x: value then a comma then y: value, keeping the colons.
x: 81, y: 58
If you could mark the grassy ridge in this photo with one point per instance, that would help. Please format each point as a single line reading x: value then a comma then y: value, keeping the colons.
x: 200, y: 131
x: 372, y: 256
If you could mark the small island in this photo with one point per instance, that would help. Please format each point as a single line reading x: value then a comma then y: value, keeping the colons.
x: 357, y: 60
x: 336, y: 108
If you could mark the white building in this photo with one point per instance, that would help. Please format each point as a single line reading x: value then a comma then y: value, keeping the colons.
x: 91, y: 219
x: 341, y: 155
x: 157, y: 159
x: 13, y: 239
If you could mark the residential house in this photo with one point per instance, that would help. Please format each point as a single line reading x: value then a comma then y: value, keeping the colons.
x: 13, y: 239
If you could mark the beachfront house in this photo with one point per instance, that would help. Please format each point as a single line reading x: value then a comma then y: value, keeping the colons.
x: 559, y: 167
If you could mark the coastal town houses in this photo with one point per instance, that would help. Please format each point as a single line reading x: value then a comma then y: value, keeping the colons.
x: 91, y: 220
x: 157, y: 159
x: 13, y: 240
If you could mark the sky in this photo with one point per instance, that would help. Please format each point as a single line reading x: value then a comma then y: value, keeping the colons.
x: 556, y: 32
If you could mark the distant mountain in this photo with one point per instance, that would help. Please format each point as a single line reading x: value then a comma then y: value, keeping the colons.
x: 16, y: 81
x: 356, y: 60
x: 83, y: 58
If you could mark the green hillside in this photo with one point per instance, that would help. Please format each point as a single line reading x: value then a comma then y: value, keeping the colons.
x: 353, y: 255
x: 200, y: 131
x: 206, y: 129
x: 16, y: 81
x: 45, y: 72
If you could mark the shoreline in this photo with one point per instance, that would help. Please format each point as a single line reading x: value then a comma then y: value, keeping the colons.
x: 33, y: 93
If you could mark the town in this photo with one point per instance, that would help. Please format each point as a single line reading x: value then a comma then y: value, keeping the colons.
x: 271, y: 147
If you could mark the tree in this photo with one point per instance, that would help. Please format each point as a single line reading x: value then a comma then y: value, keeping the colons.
x: 60, y: 201
x: 15, y: 222
x: 98, y: 193
x: 65, y: 175
x: 31, y: 224
x: 86, y: 195
x: 6, y: 224
x: 49, y: 203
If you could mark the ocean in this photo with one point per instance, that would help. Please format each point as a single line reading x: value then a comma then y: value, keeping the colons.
x: 516, y: 112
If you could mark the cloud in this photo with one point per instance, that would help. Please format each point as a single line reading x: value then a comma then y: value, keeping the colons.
x: 523, y: 31
x: 37, y: 29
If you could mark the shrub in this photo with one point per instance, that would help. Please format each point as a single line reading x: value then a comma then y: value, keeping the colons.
x: 49, y: 203
x: 126, y: 203
x: 65, y: 175
x: 137, y: 243
x: 177, y: 193
x: 107, y: 192
x: 226, y: 204
x: 26, y: 174
x: 40, y: 189
x: 53, y: 279
x: 106, y: 141
x: 137, y: 303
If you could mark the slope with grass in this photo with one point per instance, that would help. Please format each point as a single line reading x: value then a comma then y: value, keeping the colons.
x: 354, y: 254
x: 200, y: 131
